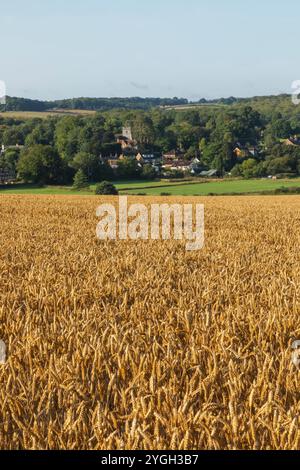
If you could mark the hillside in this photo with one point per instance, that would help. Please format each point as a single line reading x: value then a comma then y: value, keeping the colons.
x: 92, y: 104
x: 281, y: 103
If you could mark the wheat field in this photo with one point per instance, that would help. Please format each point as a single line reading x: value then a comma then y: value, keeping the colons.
x: 142, y: 345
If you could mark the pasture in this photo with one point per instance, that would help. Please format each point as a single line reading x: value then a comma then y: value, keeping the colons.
x: 175, y: 187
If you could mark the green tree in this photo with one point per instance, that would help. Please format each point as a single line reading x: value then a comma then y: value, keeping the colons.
x: 88, y: 163
x: 219, y: 164
x: 67, y: 133
x: 39, y: 164
x: 143, y: 130
x: 129, y: 168
x: 10, y: 159
x: 92, y: 166
x: 92, y: 135
x: 251, y: 168
x: 280, y: 128
x: 275, y: 166
x: 80, y: 181
x: 236, y: 170
x: 13, y: 136
x: 148, y: 172
x: 43, y: 133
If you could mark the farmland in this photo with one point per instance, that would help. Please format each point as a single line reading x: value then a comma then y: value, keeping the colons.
x: 110, y: 347
x: 158, y: 187
x: 215, y: 187
x: 24, y: 115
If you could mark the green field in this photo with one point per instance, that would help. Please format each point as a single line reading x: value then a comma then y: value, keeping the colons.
x: 124, y: 186
x: 176, y: 188
x: 130, y: 186
x: 222, y: 187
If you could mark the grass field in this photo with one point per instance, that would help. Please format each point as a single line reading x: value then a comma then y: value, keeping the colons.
x: 44, y: 114
x: 220, y: 187
x: 68, y: 190
x: 142, y: 345
x: 155, y: 188
x: 185, y: 107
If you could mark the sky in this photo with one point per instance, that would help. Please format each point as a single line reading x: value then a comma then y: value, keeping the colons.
x: 54, y: 49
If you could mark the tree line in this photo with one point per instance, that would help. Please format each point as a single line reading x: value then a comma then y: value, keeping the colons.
x: 106, y: 104
x: 93, y: 104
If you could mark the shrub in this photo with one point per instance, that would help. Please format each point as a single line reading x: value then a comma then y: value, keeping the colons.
x: 106, y: 189
x: 177, y: 174
x: 284, y: 190
x: 286, y: 175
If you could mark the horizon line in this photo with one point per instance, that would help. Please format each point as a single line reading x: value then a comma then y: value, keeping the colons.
x: 149, y: 97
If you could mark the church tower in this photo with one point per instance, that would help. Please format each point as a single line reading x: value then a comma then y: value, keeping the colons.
x: 127, y: 132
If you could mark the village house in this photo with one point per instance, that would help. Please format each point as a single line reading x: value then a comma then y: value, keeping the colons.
x: 253, y: 151
x: 10, y: 147
x: 241, y: 151
x: 7, y: 176
x: 148, y: 159
x: 113, y: 163
x: 195, y: 166
x: 109, y: 159
x: 179, y: 165
x: 209, y: 174
x: 292, y: 141
x: 173, y: 155
x: 140, y: 158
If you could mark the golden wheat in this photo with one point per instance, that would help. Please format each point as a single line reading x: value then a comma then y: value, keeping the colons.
x: 142, y: 345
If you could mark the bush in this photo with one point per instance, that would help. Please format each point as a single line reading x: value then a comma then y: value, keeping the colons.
x: 286, y: 175
x: 165, y: 194
x: 106, y: 189
x: 284, y: 190
x: 185, y: 179
x: 177, y: 174
x: 281, y: 190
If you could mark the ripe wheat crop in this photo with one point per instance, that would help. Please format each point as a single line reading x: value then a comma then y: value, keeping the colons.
x: 142, y: 345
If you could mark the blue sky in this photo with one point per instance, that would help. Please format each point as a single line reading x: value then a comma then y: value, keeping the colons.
x: 188, y: 48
